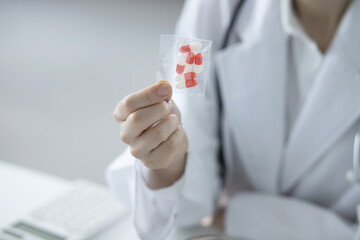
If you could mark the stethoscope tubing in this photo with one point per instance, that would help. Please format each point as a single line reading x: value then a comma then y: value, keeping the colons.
x: 356, y: 156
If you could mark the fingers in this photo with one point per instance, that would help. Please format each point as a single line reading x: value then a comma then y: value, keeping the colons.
x: 174, y: 109
x: 150, y: 124
x: 166, y: 150
x: 154, y: 94
x: 155, y: 135
x: 142, y: 119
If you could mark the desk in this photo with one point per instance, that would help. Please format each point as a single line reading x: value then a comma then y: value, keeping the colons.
x: 23, y: 189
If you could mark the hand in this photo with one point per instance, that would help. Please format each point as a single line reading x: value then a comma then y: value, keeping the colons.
x: 150, y: 125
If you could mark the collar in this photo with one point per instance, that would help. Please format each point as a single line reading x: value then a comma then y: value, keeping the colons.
x: 291, y: 24
x: 348, y: 34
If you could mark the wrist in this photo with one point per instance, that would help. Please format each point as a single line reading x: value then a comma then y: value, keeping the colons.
x: 165, y: 177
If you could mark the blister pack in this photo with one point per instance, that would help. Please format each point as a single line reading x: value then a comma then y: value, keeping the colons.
x: 184, y: 62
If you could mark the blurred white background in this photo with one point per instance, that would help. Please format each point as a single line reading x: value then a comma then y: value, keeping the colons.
x: 64, y: 65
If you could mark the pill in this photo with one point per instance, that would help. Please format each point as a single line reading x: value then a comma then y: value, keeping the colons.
x: 190, y: 47
x: 186, y: 76
x: 198, y: 63
x: 187, y: 83
x: 180, y: 67
x: 198, y: 59
x: 190, y: 58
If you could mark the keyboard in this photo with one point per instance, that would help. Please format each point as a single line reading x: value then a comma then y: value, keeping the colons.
x: 79, y: 213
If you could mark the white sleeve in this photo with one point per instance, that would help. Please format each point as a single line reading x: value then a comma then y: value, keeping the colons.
x: 155, y: 209
x: 120, y: 177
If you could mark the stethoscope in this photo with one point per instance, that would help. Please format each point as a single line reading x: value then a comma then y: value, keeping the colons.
x: 353, y: 175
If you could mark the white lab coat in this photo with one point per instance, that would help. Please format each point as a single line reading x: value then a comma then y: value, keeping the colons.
x: 278, y: 192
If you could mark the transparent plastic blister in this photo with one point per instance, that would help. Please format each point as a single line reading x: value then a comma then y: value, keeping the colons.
x: 185, y: 63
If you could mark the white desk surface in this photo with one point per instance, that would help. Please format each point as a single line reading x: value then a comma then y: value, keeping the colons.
x: 24, y: 189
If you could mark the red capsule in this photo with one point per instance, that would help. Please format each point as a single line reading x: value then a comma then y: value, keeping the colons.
x: 186, y: 84
x: 190, y: 83
x: 190, y: 58
x: 198, y: 59
x: 186, y: 76
x: 180, y: 69
x: 190, y: 47
x: 189, y: 75
x: 198, y: 63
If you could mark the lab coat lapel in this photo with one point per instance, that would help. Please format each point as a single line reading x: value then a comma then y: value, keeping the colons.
x: 252, y: 80
x: 332, y: 105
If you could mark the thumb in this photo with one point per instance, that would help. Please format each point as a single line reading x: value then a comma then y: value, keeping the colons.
x: 166, y: 87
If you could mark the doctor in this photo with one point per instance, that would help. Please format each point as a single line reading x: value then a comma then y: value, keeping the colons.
x: 290, y: 107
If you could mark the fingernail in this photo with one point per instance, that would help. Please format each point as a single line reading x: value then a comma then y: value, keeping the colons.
x: 163, y: 90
